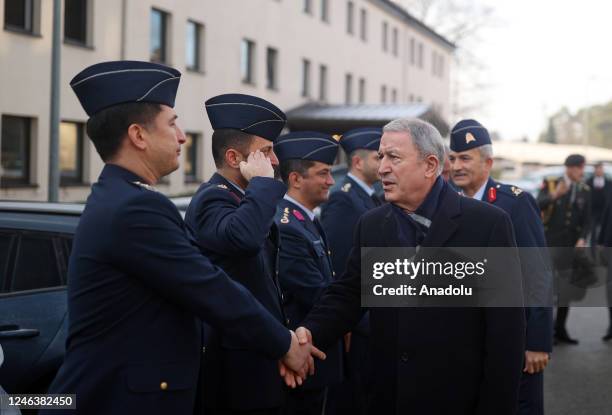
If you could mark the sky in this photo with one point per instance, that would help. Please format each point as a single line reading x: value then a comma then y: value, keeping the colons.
x: 541, y: 55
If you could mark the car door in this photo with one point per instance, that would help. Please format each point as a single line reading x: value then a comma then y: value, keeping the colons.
x: 33, y: 267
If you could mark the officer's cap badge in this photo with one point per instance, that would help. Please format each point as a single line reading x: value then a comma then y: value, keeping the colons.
x: 469, y: 138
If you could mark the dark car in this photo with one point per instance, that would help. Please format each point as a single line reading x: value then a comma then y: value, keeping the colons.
x: 35, y: 243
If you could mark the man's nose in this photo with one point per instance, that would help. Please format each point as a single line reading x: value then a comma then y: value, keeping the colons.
x: 273, y: 158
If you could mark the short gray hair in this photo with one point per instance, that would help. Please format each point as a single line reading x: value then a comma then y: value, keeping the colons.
x: 425, y: 137
x: 486, y: 151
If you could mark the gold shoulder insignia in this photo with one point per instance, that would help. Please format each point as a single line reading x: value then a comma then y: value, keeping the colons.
x: 285, y: 218
x: 346, y: 187
x: 585, y: 186
x: 222, y: 186
x: 145, y: 186
x: 517, y: 191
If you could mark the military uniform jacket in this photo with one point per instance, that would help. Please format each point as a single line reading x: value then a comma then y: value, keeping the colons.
x: 339, y: 215
x: 137, y: 289
x: 565, y: 221
x: 529, y: 233
x: 238, y: 234
x: 434, y: 361
x: 305, y: 270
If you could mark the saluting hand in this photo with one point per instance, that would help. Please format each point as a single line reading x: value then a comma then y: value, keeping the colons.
x: 257, y: 165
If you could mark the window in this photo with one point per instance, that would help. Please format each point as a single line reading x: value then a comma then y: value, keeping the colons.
x: 247, y: 57
x: 383, y: 94
x: 46, y: 271
x: 411, y: 98
x: 192, y: 148
x: 20, y: 15
x: 71, y: 152
x: 325, y: 10
x: 76, y: 21
x: 363, y: 34
x: 271, y: 68
x: 193, y: 47
x: 15, y: 150
x: 308, y: 6
x: 394, y: 96
x: 385, y: 36
x: 394, y: 42
x: 412, y: 52
x: 322, y: 83
x: 158, y: 39
x: 362, y: 92
x: 7, y: 240
x: 348, y: 89
x: 420, y: 56
x: 305, y: 78
x: 350, y: 9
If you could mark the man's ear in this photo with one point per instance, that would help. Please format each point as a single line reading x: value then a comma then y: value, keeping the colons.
x: 233, y: 158
x: 432, y: 164
x: 137, y: 136
x: 357, y: 162
x: 295, y: 180
x: 489, y: 164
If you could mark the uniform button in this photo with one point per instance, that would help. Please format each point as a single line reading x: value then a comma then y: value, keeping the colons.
x: 163, y: 386
x: 204, y: 349
x: 282, y: 297
x: 404, y: 357
x: 287, y: 321
x: 334, y: 273
x: 328, y: 252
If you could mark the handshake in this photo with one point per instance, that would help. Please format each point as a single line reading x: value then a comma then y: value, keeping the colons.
x: 298, y: 362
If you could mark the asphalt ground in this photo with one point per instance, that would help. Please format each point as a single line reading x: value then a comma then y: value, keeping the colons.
x: 578, y: 380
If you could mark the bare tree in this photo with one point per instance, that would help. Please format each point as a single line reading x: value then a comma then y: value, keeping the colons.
x: 462, y: 22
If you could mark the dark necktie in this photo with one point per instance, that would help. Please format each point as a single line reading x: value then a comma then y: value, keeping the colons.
x: 320, y: 229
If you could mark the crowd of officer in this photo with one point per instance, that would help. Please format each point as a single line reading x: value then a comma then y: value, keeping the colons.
x: 200, y: 315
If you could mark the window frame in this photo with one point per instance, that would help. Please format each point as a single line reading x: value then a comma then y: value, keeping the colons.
x: 306, y: 78
x: 164, y: 44
x: 198, y: 52
x: 79, y: 178
x: 196, y: 139
x: 87, y: 21
x: 350, y: 17
x: 26, y: 177
x: 247, y: 70
x: 272, y: 81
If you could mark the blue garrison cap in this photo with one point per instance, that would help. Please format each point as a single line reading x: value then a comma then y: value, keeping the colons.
x: 306, y: 145
x: 106, y: 84
x: 468, y: 134
x: 246, y: 113
x: 367, y: 138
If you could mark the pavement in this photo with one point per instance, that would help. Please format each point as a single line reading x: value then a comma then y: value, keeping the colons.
x: 578, y: 380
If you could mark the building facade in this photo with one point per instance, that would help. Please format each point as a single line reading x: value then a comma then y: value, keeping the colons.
x: 290, y: 52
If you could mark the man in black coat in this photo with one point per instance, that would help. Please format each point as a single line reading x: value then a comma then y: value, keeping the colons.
x: 232, y: 216
x: 471, y: 161
x: 427, y: 360
x: 137, y: 283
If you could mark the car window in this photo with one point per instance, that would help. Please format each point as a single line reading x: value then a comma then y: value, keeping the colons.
x: 6, y: 241
x: 37, y: 263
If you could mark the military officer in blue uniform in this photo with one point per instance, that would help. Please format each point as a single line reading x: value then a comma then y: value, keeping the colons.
x: 471, y: 159
x: 232, y: 216
x: 305, y: 266
x: 137, y: 282
x: 437, y: 360
x: 355, y: 196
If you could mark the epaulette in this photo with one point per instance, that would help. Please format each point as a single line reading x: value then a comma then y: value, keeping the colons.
x: 145, y: 186
x: 222, y: 186
x: 509, y: 189
x: 346, y: 187
x: 285, y: 218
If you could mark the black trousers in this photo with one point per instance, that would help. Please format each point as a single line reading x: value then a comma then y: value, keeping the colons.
x: 531, y: 394
x: 305, y: 402
x: 271, y: 411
